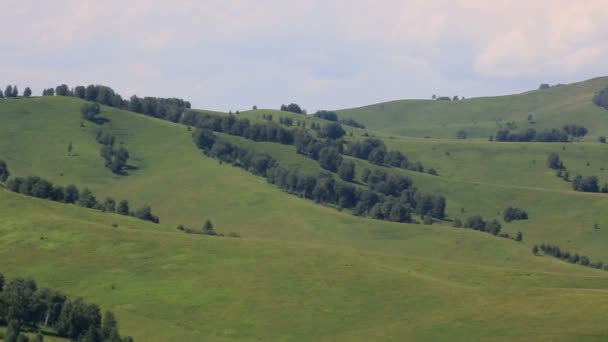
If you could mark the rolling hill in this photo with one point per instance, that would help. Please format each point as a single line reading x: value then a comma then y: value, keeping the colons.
x: 483, y: 117
x: 303, y: 271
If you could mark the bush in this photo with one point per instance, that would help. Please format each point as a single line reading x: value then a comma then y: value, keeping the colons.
x: 602, y: 139
x: 512, y: 214
x: 89, y: 110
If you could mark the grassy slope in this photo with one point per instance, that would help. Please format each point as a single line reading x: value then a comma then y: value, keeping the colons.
x: 482, y: 117
x: 166, y: 285
x: 387, y: 280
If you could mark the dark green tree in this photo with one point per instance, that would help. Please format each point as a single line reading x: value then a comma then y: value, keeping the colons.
x: 89, y: 110
x: 4, y: 173
x: 346, y: 170
x: 123, y: 208
x: 27, y: 92
x: 519, y: 236
x: 71, y: 194
x: 208, y: 228
x: 109, y: 204
x: 535, y: 250
x: 87, y: 199
x: 330, y: 158
x: 8, y: 92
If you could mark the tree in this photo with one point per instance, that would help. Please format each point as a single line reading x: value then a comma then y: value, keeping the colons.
x: 72, y: 195
x: 109, y: 204
x: 8, y: 92
x: 208, y: 228
x: 123, y: 208
x: 4, y: 173
x: 519, y: 237
x: 79, y: 92
x: 13, y: 331
x: 204, y: 138
x: 70, y: 148
x: 87, y: 199
x: 109, y: 326
x: 145, y: 213
x: 602, y: 139
x: 535, y: 250
x: 27, y: 92
x: 89, y: 110
x: 329, y: 158
x: 376, y: 156
x: 1, y: 94
x: 554, y: 162
x: 346, y: 171
x: 332, y: 131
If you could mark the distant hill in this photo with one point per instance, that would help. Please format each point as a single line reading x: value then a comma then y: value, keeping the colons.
x: 482, y: 117
x: 302, y: 270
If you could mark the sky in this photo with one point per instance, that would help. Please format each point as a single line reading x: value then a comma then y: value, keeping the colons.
x: 330, y: 54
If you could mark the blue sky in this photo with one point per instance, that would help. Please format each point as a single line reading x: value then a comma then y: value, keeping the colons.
x: 230, y: 55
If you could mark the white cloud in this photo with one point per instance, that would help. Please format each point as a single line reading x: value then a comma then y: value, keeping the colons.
x: 325, y: 53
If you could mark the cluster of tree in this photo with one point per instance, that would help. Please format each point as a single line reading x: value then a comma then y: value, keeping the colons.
x: 232, y: 125
x: 293, y: 107
x: 207, y: 229
x: 374, y: 151
x: 13, y: 92
x: 115, y: 159
x: 89, y: 111
x: 165, y: 108
x: 572, y: 258
x: 565, y: 134
x: 333, y: 116
x: 491, y: 227
x: 22, y: 304
x: 579, y: 183
x: 286, y: 121
x: 601, y: 98
x: 588, y: 184
x: 545, y: 86
x: 323, y: 188
x: 512, y: 214
x: 446, y: 98
x: 41, y: 188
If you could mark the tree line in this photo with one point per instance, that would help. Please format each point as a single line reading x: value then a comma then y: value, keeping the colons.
x: 333, y: 116
x: 24, y: 305
x: 41, y: 188
x: 572, y: 258
x: 391, y: 205
x: 375, y: 151
x: 206, y: 229
x: 12, y: 92
x: 579, y: 183
x: 564, y: 134
x: 493, y: 227
x: 165, y: 108
x: 115, y: 159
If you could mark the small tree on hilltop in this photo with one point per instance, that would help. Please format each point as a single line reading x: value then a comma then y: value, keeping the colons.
x: 27, y: 92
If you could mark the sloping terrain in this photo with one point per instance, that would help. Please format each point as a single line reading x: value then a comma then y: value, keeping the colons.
x: 301, y: 271
x: 483, y: 117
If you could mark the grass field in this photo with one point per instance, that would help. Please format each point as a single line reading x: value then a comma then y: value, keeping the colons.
x: 482, y: 117
x: 302, y: 271
x: 165, y: 285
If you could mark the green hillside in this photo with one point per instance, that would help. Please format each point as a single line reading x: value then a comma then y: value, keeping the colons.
x: 304, y: 271
x: 166, y: 285
x: 482, y: 117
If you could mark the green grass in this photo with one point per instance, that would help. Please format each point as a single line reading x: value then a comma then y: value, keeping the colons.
x: 165, y: 285
x: 302, y: 271
x: 482, y: 117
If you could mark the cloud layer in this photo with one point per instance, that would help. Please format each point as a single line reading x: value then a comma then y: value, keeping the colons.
x: 322, y: 54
